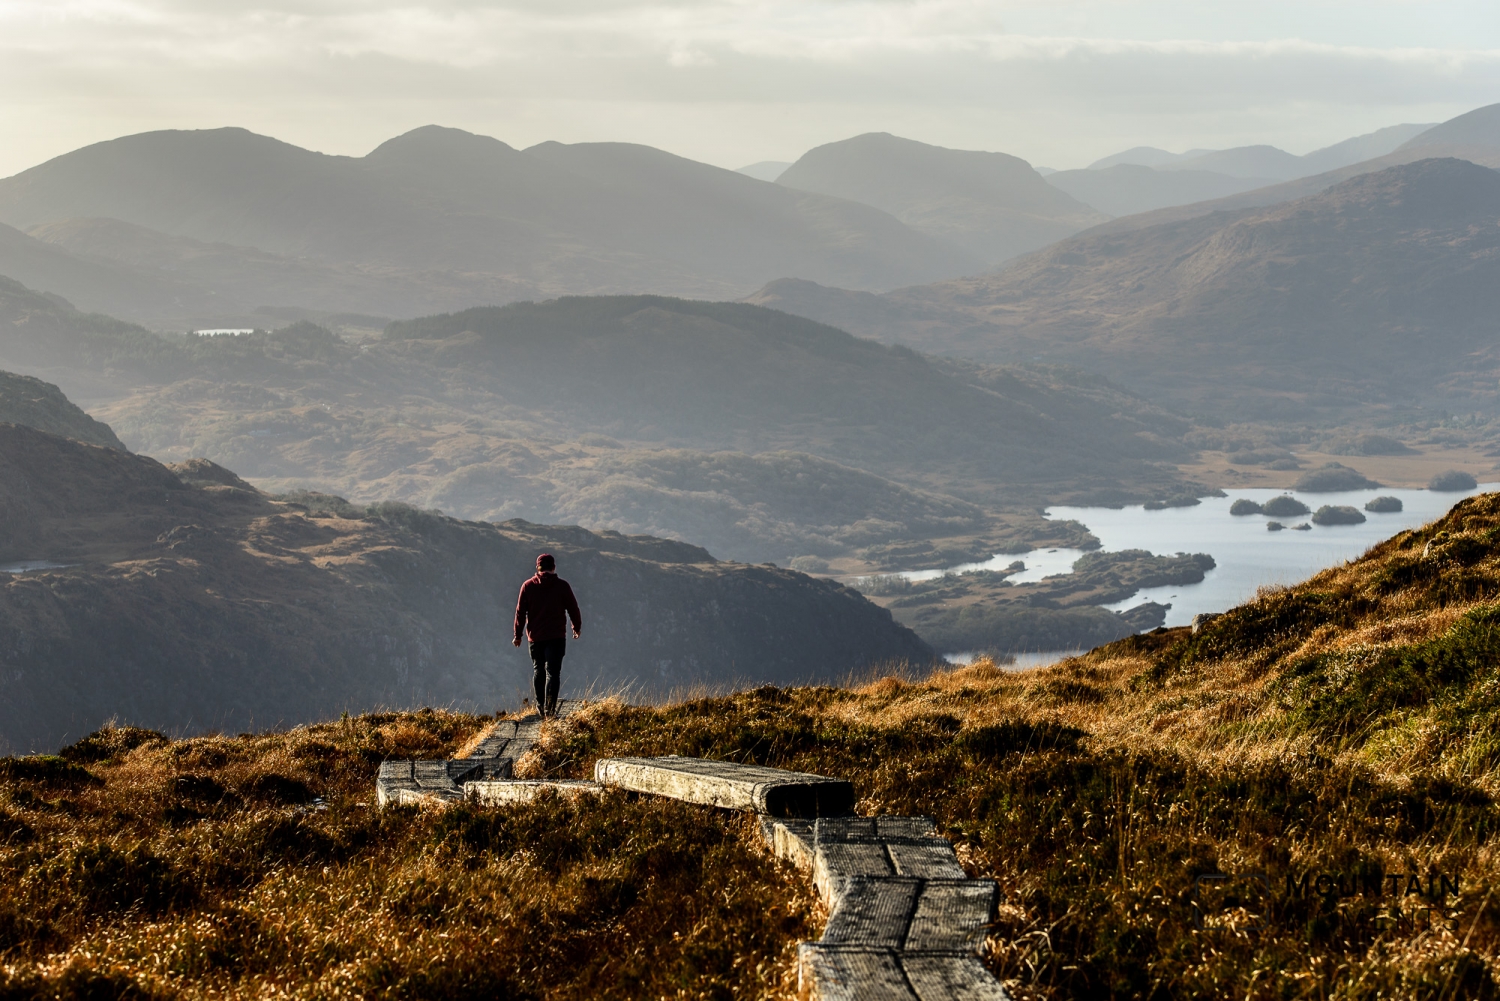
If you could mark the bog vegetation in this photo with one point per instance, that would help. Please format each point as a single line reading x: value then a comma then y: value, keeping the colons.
x: 1296, y: 801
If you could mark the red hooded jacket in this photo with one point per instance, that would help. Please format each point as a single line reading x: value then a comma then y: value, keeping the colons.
x: 544, y: 606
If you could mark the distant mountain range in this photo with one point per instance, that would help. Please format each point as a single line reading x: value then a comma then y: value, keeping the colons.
x: 764, y: 170
x: 224, y: 228
x: 1267, y: 162
x: 1146, y: 178
x: 990, y: 204
x: 219, y: 222
x: 1383, y: 287
x: 1473, y: 136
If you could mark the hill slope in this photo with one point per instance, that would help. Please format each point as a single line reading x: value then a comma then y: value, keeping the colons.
x: 1298, y: 796
x: 1480, y: 127
x: 991, y: 204
x: 34, y: 403
x: 458, y: 219
x: 200, y: 604
x: 1383, y: 287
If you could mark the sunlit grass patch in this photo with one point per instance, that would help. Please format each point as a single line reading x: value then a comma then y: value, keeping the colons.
x: 1299, y: 800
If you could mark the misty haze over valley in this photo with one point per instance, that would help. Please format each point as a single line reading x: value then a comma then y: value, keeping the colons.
x: 1041, y: 413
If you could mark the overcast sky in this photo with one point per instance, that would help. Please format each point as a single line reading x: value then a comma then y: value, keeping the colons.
x: 1059, y: 83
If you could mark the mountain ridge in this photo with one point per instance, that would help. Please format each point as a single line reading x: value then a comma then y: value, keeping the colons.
x: 993, y: 205
x: 464, y: 219
x: 1315, y: 299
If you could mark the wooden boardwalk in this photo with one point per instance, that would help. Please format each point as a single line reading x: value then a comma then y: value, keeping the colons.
x: 905, y: 923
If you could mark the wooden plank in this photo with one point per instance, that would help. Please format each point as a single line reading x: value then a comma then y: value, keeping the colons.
x: 730, y: 785
x: 792, y: 840
x: 930, y: 859
x: 838, y: 973
x: 952, y: 915
x: 920, y: 828
x: 845, y: 847
x: 939, y: 977
x: 834, y: 864
x: 873, y: 912
x: 527, y: 790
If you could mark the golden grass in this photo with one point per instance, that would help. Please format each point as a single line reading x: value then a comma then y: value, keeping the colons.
x: 206, y: 868
x: 1330, y: 736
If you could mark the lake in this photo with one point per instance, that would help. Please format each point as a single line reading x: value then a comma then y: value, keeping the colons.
x: 1248, y: 555
x: 29, y: 565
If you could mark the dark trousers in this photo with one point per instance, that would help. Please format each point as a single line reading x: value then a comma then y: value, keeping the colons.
x: 546, y: 676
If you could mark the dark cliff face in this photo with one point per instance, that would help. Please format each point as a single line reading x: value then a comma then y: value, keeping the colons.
x: 209, y: 606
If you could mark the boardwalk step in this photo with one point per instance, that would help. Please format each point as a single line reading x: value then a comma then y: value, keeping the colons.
x: 789, y: 838
x: 861, y: 973
x: 492, y: 759
x: 526, y: 790
x: 847, y: 847
x: 402, y: 782
x: 730, y: 785
x: 919, y: 915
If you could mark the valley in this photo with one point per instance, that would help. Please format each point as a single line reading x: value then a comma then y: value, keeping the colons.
x: 761, y: 436
x: 1156, y: 359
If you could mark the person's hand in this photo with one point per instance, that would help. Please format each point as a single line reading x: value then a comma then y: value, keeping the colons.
x: 576, y: 634
x: 515, y: 642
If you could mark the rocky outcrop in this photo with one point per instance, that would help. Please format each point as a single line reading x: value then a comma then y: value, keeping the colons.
x: 34, y: 403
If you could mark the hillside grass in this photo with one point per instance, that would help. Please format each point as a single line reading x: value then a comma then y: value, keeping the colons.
x: 1298, y: 801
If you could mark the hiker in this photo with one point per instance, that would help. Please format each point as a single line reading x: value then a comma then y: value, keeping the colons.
x: 542, y: 610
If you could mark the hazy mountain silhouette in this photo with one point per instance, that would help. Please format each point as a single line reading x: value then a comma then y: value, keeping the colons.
x: 1255, y: 162
x: 764, y: 170
x: 1477, y: 145
x: 96, y: 284
x: 447, y: 219
x: 1361, y: 148
x: 1480, y: 127
x: 1142, y: 156
x: 1263, y: 161
x: 1383, y: 287
x: 992, y: 205
x: 1145, y: 178
x: 1126, y: 189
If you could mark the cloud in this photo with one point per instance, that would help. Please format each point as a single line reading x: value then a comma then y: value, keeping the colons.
x: 733, y: 80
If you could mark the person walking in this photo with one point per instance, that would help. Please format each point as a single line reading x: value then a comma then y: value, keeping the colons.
x: 543, y: 608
